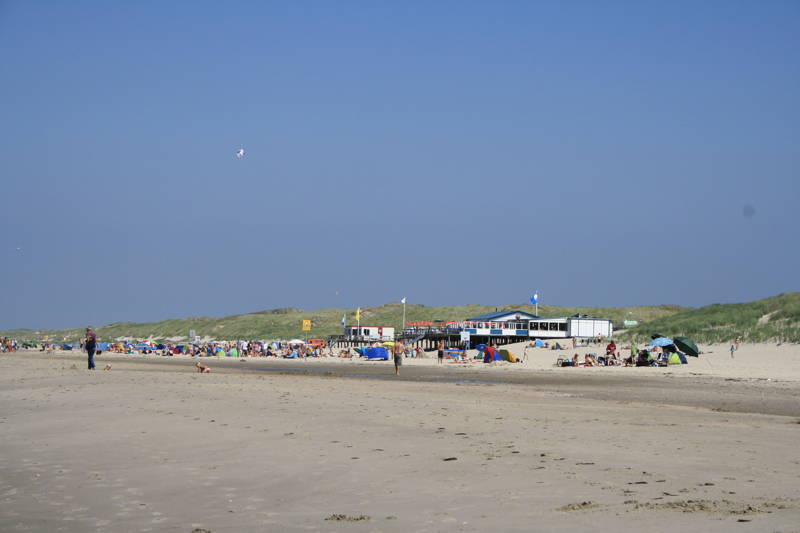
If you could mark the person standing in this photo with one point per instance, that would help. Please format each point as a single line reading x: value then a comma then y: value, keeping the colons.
x: 440, y: 352
x: 398, y: 350
x: 90, y: 344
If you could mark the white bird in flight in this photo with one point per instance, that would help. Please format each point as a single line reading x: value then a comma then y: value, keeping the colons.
x: 240, y: 153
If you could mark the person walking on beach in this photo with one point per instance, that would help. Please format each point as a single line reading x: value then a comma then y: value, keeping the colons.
x: 90, y: 344
x: 733, y: 349
x: 398, y: 350
x: 440, y: 352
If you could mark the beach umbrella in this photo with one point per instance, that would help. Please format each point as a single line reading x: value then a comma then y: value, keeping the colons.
x: 296, y: 341
x: 687, y: 346
x: 661, y: 341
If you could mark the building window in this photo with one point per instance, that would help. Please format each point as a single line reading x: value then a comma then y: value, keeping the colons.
x: 562, y: 326
x: 543, y: 326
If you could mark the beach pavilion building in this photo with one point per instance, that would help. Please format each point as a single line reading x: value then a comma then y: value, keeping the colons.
x: 505, y: 327
x: 520, y: 325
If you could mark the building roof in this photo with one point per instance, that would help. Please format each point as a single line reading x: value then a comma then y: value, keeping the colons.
x: 488, y: 317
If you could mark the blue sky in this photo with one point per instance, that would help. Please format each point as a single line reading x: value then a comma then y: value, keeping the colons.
x: 604, y: 153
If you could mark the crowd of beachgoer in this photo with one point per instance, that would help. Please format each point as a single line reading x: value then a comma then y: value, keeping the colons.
x: 8, y: 345
x: 645, y: 356
x: 241, y: 348
x: 613, y: 356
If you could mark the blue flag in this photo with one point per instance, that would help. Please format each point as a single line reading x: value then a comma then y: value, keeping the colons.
x: 535, y: 298
x: 344, y: 318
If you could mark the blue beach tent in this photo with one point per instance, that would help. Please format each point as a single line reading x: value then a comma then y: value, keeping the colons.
x: 378, y: 352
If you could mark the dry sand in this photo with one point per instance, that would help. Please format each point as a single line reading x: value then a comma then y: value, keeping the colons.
x: 153, y: 446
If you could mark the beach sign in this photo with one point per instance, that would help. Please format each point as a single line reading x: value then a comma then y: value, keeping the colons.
x: 306, y: 325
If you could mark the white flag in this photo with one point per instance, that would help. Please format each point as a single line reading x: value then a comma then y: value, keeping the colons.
x: 403, y: 300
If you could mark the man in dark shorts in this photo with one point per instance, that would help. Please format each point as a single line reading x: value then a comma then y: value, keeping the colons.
x: 90, y: 343
x: 440, y: 351
x: 398, y: 350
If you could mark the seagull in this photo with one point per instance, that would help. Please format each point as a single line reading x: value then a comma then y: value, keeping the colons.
x: 240, y: 153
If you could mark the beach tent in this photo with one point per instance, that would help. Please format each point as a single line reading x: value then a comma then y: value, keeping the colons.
x: 508, y: 356
x: 377, y: 353
x: 539, y: 343
x: 497, y: 356
x: 673, y: 359
x: 296, y: 341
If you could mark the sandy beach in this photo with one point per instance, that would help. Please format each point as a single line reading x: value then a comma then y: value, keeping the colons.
x: 344, y: 446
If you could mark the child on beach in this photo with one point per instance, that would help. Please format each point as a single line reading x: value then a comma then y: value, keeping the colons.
x: 203, y: 369
x: 733, y: 349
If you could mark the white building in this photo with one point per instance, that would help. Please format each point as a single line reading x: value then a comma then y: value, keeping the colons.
x: 371, y: 333
x: 524, y: 325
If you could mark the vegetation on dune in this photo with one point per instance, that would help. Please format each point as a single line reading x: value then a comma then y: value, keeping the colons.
x: 770, y: 319
x: 285, y: 323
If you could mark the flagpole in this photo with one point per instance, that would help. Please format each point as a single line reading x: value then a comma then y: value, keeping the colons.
x: 403, y: 326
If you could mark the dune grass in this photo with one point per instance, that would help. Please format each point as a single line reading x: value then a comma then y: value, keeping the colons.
x: 771, y: 319
x: 285, y: 323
